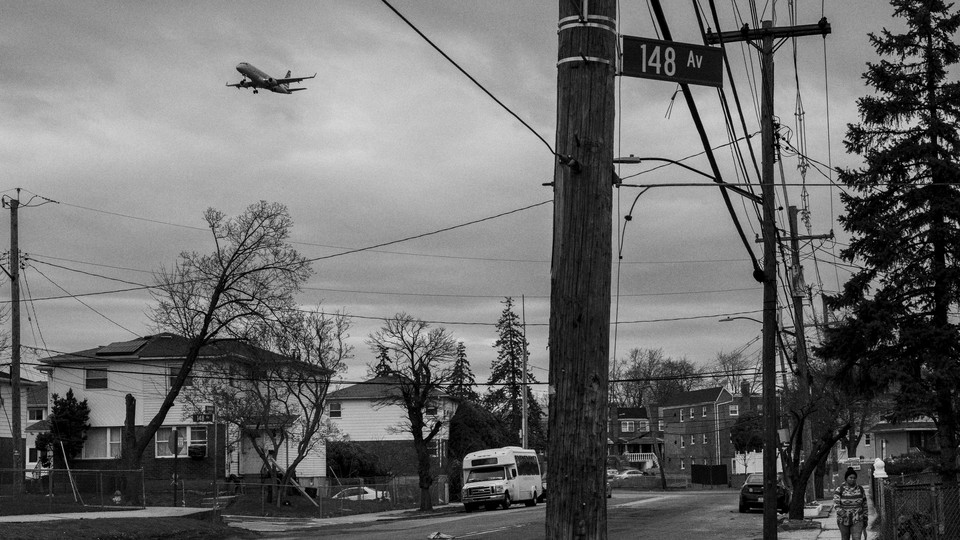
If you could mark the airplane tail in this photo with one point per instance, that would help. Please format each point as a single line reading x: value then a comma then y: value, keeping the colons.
x: 287, y: 76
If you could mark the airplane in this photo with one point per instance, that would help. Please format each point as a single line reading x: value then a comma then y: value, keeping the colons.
x: 256, y: 79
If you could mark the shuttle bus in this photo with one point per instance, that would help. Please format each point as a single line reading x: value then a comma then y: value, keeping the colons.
x: 500, y: 477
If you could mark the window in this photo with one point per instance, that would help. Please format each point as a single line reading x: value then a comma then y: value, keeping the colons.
x: 173, y: 371
x: 32, y: 456
x: 683, y: 464
x: 190, y: 435
x: 866, y: 439
x: 734, y: 410
x: 683, y: 442
x: 102, y: 443
x: 693, y: 440
x: 681, y: 415
x: 96, y: 379
x: 627, y: 426
x: 644, y: 425
x: 704, y: 438
x: 703, y: 411
x: 35, y: 414
x: 659, y: 425
x: 693, y: 412
x: 431, y: 409
x: 335, y: 410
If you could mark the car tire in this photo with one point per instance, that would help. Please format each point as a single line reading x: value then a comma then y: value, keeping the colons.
x: 533, y: 501
x: 506, y: 500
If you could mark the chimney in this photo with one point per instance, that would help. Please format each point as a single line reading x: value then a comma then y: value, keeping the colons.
x: 745, y: 388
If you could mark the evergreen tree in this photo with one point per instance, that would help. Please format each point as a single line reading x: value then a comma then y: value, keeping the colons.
x: 504, y: 398
x: 903, y: 213
x: 69, y: 421
x: 463, y: 383
x: 383, y: 366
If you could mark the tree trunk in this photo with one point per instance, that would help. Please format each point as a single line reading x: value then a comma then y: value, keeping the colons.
x: 129, y: 457
x: 423, y: 472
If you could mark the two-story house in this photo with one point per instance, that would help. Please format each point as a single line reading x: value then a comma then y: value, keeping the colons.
x: 632, y: 436
x: 6, y: 430
x: 366, y: 414
x: 145, y: 368
x: 697, y: 427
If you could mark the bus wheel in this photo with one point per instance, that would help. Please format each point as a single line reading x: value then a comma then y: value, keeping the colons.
x: 506, y: 500
x: 533, y: 501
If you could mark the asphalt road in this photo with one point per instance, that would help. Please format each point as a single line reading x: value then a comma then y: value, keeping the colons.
x: 676, y: 515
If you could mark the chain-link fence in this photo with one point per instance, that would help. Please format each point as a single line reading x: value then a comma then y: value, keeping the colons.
x: 918, y: 508
x: 40, y: 491
x: 343, y: 497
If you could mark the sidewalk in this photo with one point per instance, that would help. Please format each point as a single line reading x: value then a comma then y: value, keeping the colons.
x: 829, y: 530
x: 149, y: 512
x: 279, y: 524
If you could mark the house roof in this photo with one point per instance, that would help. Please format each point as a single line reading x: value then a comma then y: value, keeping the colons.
x: 37, y: 395
x: 696, y: 397
x: 386, y: 386
x: 627, y: 413
x: 164, y: 346
x: 5, y: 378
x: 886, y: 427
x: 41, y: 426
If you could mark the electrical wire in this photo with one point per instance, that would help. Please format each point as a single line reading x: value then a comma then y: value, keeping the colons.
x: 464, y: 72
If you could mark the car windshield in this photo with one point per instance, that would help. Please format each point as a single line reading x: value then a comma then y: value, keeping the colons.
x: 484, y: 474
x: 754, y: 479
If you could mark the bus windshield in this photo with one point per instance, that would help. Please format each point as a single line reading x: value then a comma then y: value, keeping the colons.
x: 485, y: 473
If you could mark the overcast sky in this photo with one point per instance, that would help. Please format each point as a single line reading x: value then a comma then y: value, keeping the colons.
x: 119, y: 112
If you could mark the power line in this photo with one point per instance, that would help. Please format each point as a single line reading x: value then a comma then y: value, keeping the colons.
x: 474, y: 81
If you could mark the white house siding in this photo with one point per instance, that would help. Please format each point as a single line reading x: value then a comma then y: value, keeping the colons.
x: 6, y: 411
x: 363, y: 420
x: 107, y: 405
x: 313, y: 467
x: 366, y: 420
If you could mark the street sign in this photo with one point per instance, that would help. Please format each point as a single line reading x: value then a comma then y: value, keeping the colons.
x: 176, y: 442
x: 672, y: 61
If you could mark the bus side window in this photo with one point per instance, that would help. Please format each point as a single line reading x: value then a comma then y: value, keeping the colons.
x: 513, y: 472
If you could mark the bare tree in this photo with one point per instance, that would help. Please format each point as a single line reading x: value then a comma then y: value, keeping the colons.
x: 421, y: 364
x: 248, y: 280
x: 271, y: 399
x: 732, y: 370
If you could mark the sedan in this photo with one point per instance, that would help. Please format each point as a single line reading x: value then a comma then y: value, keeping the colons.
x: 362, y: 493
x: 630, y: 473
x: 751, y: 494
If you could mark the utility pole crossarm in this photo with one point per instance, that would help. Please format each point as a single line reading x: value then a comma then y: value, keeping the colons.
x: 756, y: 34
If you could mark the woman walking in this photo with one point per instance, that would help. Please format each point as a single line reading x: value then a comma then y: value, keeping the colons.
x: 850, y: 502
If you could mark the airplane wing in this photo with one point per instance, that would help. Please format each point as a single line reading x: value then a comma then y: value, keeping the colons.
x: 238, y: 85
x: 288, y: 80
x: 296, y: 89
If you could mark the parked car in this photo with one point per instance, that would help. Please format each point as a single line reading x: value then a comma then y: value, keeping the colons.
x: 630, y: 473
x: 652, y: 471
x: 612, y: 473
x: 751, y: 494
x: 362, y: 493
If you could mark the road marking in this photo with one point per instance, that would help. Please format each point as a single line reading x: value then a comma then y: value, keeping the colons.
x: 644, y: 501
x: 489, y: 531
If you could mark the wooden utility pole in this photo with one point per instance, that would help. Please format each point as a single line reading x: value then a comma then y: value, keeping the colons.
x: 15, y: 393
x: 579, y: 337
x: 766, y: 36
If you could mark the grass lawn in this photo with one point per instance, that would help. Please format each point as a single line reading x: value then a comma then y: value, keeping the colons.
x: 123, y: 529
